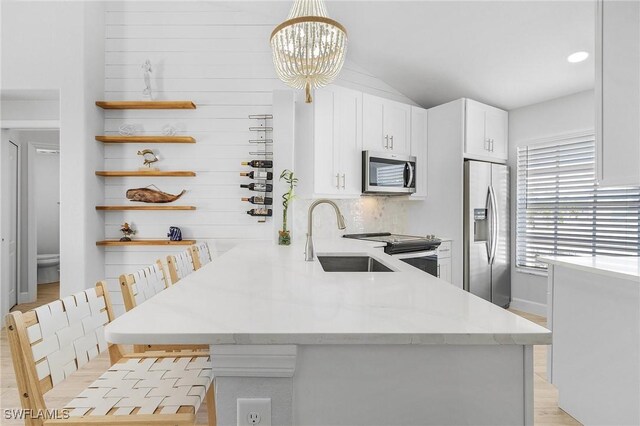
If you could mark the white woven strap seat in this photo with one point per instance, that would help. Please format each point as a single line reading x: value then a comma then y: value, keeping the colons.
x: 51, y: 342
x: 146, y: 386
x: 180, y: 265
x: 184, y: 265
x: 69, y: 333
x: 204, y: 254
x: 142, y: 285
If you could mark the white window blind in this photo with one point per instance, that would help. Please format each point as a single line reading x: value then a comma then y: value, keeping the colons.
x: 561, y: 211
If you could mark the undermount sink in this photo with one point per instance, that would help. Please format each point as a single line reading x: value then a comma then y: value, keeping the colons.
x: 352, y: 264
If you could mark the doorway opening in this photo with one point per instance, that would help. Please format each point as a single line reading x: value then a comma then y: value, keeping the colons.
x: 30, y: 193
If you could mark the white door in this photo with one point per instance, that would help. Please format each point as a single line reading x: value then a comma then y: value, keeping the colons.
x: 475, y: 142
x: 348, y: 122
x: 397, y: 126
x: 444, y: 269
x: 373, y: 137
x: 12, y: 200
x: 496, y: 125
x: 326, y: 174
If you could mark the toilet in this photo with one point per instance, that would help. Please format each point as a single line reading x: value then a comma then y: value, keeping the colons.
x: 48, y: 268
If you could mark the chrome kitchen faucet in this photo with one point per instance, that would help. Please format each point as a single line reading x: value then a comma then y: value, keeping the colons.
x: 309, y: 254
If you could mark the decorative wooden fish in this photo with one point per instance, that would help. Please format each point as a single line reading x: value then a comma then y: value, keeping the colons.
x: 149, y: 195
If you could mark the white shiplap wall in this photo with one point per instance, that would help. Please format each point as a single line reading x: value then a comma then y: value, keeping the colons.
x: 218, y: 56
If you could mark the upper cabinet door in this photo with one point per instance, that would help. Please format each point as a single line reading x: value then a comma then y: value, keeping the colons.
x: 486, y: 132
x: 419, y: 148
x: 386, y: 125
x: 326, y: 171
x: 373, y: 137
x: 475, y: 142
x: 618, y: 93
x: 496, y: 124
x: 348, y: 138
x: 397, y: 126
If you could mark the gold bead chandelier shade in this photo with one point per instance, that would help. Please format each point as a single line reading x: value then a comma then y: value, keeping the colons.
x: 308, y: 48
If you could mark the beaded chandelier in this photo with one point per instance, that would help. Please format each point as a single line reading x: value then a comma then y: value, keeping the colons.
x: 309, y: 47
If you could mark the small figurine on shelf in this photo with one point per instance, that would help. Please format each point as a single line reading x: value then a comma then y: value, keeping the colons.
x: 149, y: 158
x: 284, y: 236
x: 175, y: 234
x: 127, y: 231
x: 146, y: 67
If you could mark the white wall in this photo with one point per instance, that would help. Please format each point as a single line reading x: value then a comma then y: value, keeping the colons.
x: 43, y: 109
x: 59, y: 46
x: 216, y: 54
x: 566, y: 115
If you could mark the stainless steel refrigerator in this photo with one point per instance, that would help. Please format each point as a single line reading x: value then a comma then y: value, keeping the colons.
x: 487, y: 255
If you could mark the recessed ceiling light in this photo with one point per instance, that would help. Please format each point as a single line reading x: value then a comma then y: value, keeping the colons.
x: 577, y: 57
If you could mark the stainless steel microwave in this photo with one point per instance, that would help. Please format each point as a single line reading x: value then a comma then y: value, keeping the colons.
x: 385, y: 173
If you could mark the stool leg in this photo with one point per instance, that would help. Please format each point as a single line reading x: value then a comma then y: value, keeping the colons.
x: 211, y: 404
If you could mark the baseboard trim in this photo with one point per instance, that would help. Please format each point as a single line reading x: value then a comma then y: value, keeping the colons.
x: 529, y: 306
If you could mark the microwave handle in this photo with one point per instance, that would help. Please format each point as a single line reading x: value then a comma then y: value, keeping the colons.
x: 411, y: 175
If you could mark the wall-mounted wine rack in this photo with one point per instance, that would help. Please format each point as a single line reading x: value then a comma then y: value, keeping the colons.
x: 262, y: 138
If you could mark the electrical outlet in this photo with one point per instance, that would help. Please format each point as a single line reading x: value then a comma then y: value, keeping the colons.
x: 254, y: 412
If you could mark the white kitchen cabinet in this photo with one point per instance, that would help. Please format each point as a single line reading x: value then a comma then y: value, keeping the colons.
x: 386, y: 125
x: 444, y: 269
x: 419, y: 149
x: 444, y: 261
x: 329, y: 143
x: 617, y: 92
x: 486, y: 132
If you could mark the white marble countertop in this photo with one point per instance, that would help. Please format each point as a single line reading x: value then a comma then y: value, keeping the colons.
x: 625, y: 267
x: 261, y: 293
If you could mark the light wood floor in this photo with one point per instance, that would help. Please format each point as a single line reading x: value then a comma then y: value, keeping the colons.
x: 546, y: 411
x: 46, y: 293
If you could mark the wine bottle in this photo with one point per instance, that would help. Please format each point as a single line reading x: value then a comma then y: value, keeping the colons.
x: 258, y: 175
x: 259, y: 199
x: 258, y: 186
x: 259, y: 164
x: 259, y: 212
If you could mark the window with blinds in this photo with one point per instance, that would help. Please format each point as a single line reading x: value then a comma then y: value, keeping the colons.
x: 561, y: 211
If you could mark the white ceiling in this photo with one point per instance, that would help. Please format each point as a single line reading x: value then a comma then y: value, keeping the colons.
x: 505, y: 53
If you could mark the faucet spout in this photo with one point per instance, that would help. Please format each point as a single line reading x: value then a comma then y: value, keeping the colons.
x: 309, y: 254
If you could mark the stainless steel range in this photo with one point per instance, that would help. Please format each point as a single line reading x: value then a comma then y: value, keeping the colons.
x: 420, y: 252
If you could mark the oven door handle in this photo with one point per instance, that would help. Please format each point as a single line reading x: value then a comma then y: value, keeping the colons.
x: 414, y: 255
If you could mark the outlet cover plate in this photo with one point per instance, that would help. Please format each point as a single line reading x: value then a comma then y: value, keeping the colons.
x: 248, y: 407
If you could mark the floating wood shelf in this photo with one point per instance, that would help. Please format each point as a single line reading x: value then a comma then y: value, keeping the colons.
x: 145, y: 243
x: 146, y: 104
x: 145, y: 208
x: 141, y: 173
x: 145, y: 139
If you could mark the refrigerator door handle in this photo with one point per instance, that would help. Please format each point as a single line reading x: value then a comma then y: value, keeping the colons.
x: 495, y: 225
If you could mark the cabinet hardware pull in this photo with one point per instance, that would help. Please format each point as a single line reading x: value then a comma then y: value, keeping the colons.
x: 344, y: 181
x: 386, y: 143
x: 438, y: 271
x: 492, y: 145
x: 391, y: 142
x: 487, y: 144
x: 338, y: 180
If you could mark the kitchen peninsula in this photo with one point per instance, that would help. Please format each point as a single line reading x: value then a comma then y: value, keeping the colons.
x: 398, y: 347
x: 594, y: 313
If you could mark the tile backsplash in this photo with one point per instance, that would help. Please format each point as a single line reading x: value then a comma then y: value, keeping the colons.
x: 365, y: 214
